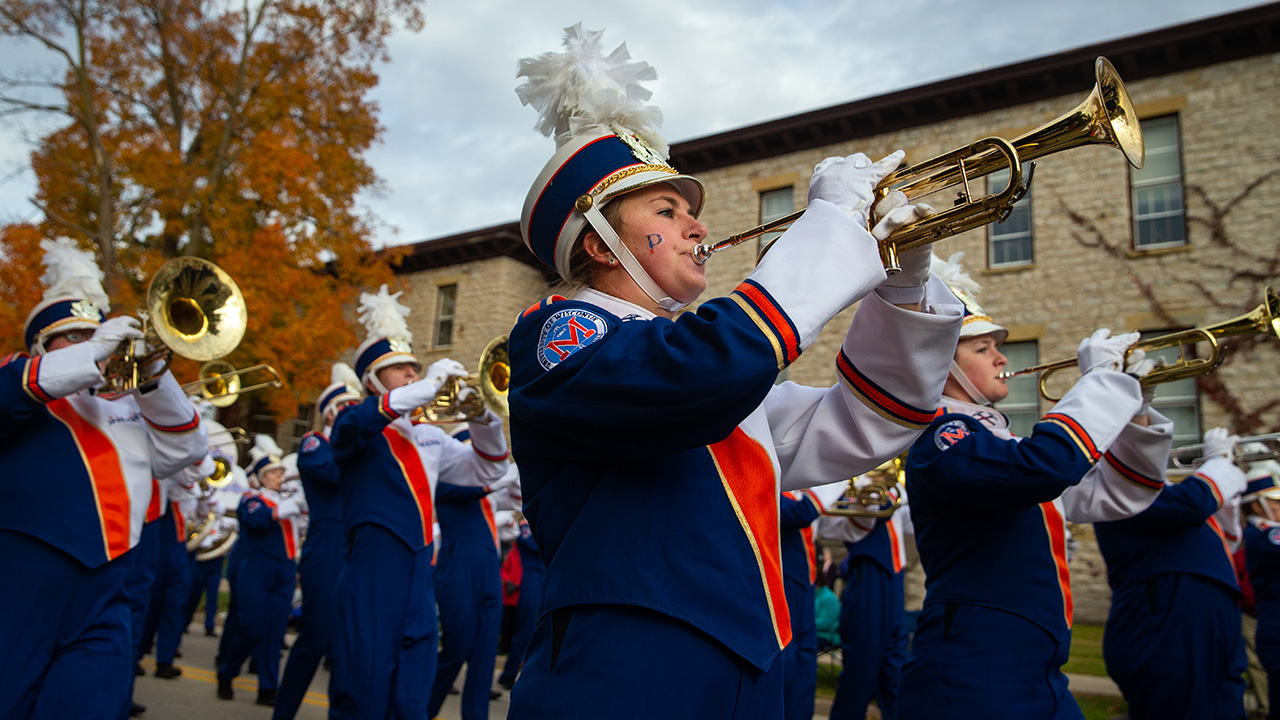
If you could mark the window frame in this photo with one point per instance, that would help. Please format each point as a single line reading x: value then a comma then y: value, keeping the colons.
x: 1024, y: 204
x: 1136, y: 185
x: 441, y: 318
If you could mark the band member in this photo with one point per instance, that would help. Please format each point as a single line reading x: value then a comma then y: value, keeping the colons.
x: 995, y: 628
x: 66, y: 635
x: 384, y: 645
x: 873, y: 632
x: 618, y: 405
x: 325, y: 546
x: 798, y: 511
x: 1172, y: 641
x: 532, y: 572
x: 469, y: 588
x: 173, y: 577
x: 1261, y: 504
x: 208, y: 558
x: 264, y: 588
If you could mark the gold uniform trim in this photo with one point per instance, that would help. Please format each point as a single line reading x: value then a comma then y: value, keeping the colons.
x: 764, y: 328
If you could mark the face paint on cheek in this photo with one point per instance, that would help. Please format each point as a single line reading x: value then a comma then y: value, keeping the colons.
x: 654, y: 241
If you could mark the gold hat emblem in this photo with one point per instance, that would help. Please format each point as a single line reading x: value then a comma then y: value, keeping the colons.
x: 400, y: 345
x: 640, y: 149
x: 86, y: 310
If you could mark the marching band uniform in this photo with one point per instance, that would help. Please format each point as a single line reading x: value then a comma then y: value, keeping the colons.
x: 1172, y: 640
x: 614, y: 408
x: 469, y: 589
x: 995, y: 628
x: 206, y: 574
x: 267, y: 577
x: 873, y: 633
x: 532, y: 572
x: 66, y: 636
x: 797, y: 512
x: 385, y: 596
x: 324, y: 548
x: 1262, y: 558
x: 173, y: 577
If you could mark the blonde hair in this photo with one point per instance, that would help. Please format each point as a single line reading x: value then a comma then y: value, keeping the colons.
x: 582, y: 269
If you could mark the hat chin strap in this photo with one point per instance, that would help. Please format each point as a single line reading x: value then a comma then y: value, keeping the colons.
x: 629, y: 262
x: 974, y: 393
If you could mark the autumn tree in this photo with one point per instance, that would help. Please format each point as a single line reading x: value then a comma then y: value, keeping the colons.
x: 1230, y: 276
x: 231, y: 132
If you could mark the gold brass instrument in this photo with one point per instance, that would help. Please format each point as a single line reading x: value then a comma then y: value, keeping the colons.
x: 874, y: 498
x: 221, y: 384
x: 1264, y: 319
x: 234, y: 435
x: 1106, y: 117
x: 492, y: 380
x: 193, y: 309
x: 1188, y: 456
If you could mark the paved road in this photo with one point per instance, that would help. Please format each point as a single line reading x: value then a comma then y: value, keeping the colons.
x: 194, y: 695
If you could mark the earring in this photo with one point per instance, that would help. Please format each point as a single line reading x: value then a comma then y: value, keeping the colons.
x: 613, y: 261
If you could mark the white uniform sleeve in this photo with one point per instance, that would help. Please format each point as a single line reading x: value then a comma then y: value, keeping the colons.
x: 69, y: 370
x: 178, y: 438
x: 482, y: 462
x: 892, y: 367
x: 845, y: 528
x: 1128, y: 476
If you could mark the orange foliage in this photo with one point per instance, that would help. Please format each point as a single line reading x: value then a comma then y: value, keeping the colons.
x: 195, y: 129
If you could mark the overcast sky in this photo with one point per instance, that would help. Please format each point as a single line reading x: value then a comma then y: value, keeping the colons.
x: 459, y: 150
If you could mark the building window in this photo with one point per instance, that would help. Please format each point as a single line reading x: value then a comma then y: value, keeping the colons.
x: 446, y: 302
x: 1158, y: 217
x: 1009, y: 242
x: 1023, y: 403
x: 1177, y: 400
x: 773, y: 205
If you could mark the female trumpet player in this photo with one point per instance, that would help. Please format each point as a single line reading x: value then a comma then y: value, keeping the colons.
x: 990, y: 512
x: 619, y: 405
x: 78, y: 475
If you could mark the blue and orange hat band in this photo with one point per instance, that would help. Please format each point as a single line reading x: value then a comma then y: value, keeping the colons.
x: 59, y: 312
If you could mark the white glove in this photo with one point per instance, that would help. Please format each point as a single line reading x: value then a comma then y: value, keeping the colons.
x: 850, y: 182
x: 416, y: 394
x: 506, y: 481
x: 1139, y: 366
x: 113, y: 331
x: 441, y: 370
x: 895, y: 211
x: 1100, y: 351
x: 1219, y: 443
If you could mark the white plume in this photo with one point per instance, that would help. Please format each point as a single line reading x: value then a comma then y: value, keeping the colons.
x: 582, y: 88
x: 264, y: 446
x: 342, y: 373
x: 383, y: 315
x: 950, y: 272
x: 290, y: 463
x: 71, y: 271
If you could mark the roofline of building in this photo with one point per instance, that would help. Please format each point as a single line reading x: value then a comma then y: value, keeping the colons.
x: 1245, y: 33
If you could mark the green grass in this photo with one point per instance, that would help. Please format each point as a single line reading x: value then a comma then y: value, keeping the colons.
x: 1086, y: 651
x: 1100, y: 707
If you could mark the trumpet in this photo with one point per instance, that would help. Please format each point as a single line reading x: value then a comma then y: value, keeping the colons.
x: 492, y: 380
x: 1264, y: 319
x: 1105, y: 117
x: 220, y: 383
x: 193, y: 309
x: 1188, y: 456
x: 876, y: 497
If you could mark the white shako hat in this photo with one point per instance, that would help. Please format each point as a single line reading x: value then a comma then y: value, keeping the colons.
x: 264, y: 455
x: 389, y: 341
x: 73, y: 298
x: 608, y: 143
x: 976, y: 321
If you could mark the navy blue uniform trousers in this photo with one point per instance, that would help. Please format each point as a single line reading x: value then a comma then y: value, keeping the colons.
x: 263, y: 595
x: 317, y: 575
x: 979, y: 648
x: 166, y: 611
x: 384, y: 635
x: 469, y: 595
x: 873, y: 640
x: 206, y: 577
x: 65, y: 644
x: 572, y: 670
x: 1177, y: 620
x: 800, y: 658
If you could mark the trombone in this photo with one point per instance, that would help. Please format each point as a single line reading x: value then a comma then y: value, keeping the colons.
x: 875, y: 498
x: 1264, y: 319
x: 193, y: 308
x: 1187, y: 456
x: 220, y: 383
x: 1106, y: 117
x: 492, y: 380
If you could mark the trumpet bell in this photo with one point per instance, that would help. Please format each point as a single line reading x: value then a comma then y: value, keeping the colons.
x: 221, y: 384
x: 495, y: 376
x: 493, y: 381
x: 197, y: 310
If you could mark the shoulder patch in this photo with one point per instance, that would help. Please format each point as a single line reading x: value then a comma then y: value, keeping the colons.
x: 309, y: 444
x: 1273, y: 535
x: 951, y: 432
x: 567, y: 332
x: 541, y: 303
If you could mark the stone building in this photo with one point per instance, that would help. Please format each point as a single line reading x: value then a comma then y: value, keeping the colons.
x: 1190, y: 239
